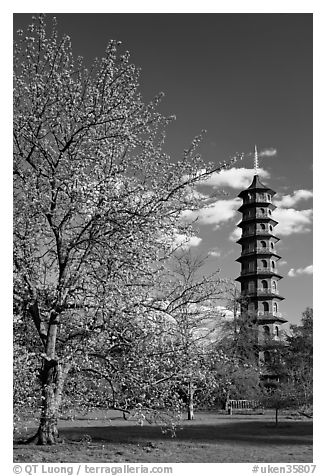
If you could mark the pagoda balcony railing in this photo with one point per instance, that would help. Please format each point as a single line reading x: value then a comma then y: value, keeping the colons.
x: 257, y: 215
x: 269, y: 269
x: 259, y: 270
x: 260, y: 291
x: 269, y: 313
x: 257, y: 200
x: 265, y: 249
x: 249, y: 200
x: 256, y: 232
x: 267, y: 290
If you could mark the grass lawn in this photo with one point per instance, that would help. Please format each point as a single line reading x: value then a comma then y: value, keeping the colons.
x: 210, y: 438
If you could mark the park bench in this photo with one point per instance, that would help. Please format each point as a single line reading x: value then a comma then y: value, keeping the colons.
x: 240, y: 405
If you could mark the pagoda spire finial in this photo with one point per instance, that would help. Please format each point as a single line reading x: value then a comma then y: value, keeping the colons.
x: 256, y: 165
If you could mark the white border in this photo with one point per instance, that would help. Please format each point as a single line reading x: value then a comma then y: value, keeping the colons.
x: 168, y: 6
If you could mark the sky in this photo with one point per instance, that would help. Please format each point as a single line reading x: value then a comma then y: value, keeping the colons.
x: 246, y: 79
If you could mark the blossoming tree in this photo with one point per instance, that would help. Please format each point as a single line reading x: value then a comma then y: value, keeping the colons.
x: 97, y: 203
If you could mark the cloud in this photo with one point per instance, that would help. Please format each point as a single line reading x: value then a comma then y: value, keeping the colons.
x: 288, y: 201
x: 239, y: 178
x: 217, y: 212
x: 224, y: 313
x: 182, y: 240
x: 186, y: 242
x: 235, y: 235
x: 195, y: 194
x: 292, y: 221
x: 297, y: 272
x: 268, y: 152
x: 282, y: 262
x: 214, y: 253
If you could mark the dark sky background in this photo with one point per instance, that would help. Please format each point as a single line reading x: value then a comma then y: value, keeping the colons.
x: 245, y: 78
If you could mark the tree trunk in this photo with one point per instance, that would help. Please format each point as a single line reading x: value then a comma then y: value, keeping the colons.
x: 53, y: 375
x: 53, y: 379
x: 190, y: 401
x: 228, y: 408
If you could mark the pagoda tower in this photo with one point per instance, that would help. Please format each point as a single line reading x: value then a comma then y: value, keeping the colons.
x: 259, y: 277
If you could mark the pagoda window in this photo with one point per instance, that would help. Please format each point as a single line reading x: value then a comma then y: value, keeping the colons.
x: 264, y: 263
x: 268, y: 198
x: 272, y: 245
x: 265, y: 306
x: 270, y: 212
x: 262, y: 211
x: 273, y: 264
x: 263, y: 244
x: 251, y: 286
x: 275, y: 307
x: 264, y: 284
x: 270, y: 228
x: 262, y: 226
x: 276, y: 331
x: 274, y: 287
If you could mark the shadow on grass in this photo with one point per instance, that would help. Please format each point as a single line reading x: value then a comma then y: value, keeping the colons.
x: 290, y: 433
